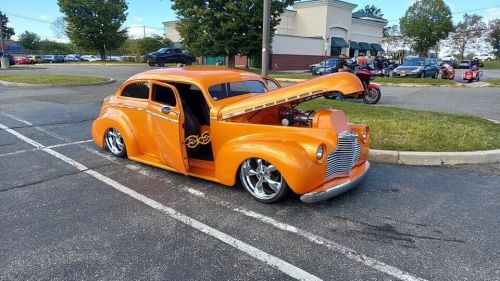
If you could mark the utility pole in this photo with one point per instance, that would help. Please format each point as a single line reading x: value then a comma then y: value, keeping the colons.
x: 143, y: 31
x: 1, y: 33
x: 265, y: 36
x: 4, y: 60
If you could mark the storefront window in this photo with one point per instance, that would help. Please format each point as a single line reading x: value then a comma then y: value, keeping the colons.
x: 335, y: 52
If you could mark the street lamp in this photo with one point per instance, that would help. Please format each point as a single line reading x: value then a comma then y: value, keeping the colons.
x: 265, y: 36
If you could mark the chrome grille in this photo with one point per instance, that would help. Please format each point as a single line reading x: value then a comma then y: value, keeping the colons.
x: 340, y: 162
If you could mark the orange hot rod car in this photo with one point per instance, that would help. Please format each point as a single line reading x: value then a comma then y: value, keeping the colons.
x: 223, y: 125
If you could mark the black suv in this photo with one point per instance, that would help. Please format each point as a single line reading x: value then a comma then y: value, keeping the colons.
x: 168, y: 55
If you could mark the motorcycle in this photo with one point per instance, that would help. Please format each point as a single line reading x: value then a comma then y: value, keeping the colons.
x: 472, y: 74
x: 447, y: 72
x: 371, y: 93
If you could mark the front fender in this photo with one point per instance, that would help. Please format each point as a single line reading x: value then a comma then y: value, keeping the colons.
x: 112, y: 118
x: 300, y: 170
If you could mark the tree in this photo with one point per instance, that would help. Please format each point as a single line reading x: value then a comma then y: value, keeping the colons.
x: 425, y: 23
x: 373, y: 11
x: 467, y: 32
x: 493, y: 36
x: 59, y: 27
x: 227, y: 27
x: 96, y: 24
x: 7, y: 31
x: 150, y: 44
x: 29, y: 40
x: 53, y: 47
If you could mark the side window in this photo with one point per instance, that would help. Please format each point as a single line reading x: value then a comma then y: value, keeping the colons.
x: 164, y: 95
x: 218, y: 91
x: 178, y: 51
x: 137, y: 90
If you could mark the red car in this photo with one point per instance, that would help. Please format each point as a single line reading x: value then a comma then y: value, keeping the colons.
x: 22, y: 60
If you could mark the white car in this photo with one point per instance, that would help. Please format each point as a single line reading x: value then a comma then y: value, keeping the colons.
x: 313, y: 66
x: 449, y: 58
x: 90, y: 58
x: 485, y: 57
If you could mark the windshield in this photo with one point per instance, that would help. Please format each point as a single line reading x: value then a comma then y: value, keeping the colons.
x: 226, y: 90
x: 161, y: 50
x: 330, y: 63
x: 414, y: 63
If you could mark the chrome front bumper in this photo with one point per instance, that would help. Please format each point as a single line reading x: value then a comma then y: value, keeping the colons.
x: 333, y: 191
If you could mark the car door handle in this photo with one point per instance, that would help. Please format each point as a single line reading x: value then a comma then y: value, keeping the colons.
x: 166, y: 110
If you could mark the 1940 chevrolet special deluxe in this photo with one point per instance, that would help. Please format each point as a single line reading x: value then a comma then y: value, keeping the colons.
x: 227, y: 125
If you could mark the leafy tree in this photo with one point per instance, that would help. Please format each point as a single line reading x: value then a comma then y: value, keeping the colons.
x: 467, y: 32
x: 95, y: 24
x: 53, y: 47
x: 373, y: 11
x: 426, y: 22
x: 493, y: 36
x: 59, y: 27
x: 29, y: 40
x: 228, y: 27
x: 7, y: 31
x: 150, y: 44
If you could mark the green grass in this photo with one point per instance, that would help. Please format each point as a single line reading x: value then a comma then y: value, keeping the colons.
x: 494, y: 64
x: 426, y: 81
x: 51, y: 79
x: 414, y: 130
x: 22, y: 67
x: 495, y: 82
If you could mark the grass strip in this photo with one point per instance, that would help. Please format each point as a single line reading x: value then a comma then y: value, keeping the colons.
x: 493, y: 64
x: 51, y: 79
x: 416, y: 130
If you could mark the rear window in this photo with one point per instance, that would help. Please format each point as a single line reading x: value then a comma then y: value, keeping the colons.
x: 226, y: 90
x: 137, y: 90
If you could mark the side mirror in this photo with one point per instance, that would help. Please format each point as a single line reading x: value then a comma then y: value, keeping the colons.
x: 166, y: 110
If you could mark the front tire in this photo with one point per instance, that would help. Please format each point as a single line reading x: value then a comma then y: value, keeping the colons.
x: 262, y: 180
x: 114, y: 142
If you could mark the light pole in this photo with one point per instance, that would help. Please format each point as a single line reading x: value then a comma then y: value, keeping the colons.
x: 265, y: 36
x: 4, y: 61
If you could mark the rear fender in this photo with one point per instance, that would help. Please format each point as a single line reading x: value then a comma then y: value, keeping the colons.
x: 112, y: 118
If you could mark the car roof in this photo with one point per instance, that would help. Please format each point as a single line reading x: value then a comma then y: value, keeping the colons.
x: 202, y: 75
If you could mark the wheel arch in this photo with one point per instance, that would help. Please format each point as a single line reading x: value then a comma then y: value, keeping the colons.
x: 120, y: 122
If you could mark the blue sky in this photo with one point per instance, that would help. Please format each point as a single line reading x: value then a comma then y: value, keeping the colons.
x: 37, y: 15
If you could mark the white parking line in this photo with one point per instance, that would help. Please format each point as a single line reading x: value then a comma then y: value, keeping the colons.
x: 344, y: 250
x: 258, y: 254
x: 52, y: 146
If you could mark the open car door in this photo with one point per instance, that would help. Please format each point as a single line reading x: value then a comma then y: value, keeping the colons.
x: 165, y: 121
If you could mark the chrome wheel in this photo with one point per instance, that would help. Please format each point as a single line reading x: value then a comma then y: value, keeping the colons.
x: 262, y: 180
x: 114, y: 142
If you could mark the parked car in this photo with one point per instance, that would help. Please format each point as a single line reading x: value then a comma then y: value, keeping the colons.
x: 35, y: 59
x: 11, y: 58
x: 484, y: 57
x: 312, y: 66
x: 418, y: 68
x: 449, y: 58
x: 90, y: 58
x: 72, y: 58
x: 21, y: 60
x: 168, y: 55
x: 52, y: 58
x: 329, y: 67
x: 221, y: 124
x: 466, y: 64
x: 113, y: 58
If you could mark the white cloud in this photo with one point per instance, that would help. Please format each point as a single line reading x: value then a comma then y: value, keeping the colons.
x: 137, y: 31
x: 44, y: 17
x: 491, y: 13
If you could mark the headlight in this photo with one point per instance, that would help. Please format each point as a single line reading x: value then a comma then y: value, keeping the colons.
x: 365, y: 133
x: 319, y: 152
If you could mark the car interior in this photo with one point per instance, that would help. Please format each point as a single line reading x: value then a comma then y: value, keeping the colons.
x: 196, y: 122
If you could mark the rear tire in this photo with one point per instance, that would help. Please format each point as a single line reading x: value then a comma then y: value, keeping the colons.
x: 372, y: 96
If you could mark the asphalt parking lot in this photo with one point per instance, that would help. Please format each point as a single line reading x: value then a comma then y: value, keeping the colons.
x: 69, y: 211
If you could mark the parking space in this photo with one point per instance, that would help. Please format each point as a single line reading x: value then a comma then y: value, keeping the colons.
x: 69, y: 210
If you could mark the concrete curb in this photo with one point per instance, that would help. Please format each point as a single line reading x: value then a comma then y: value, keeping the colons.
x: 434, y: 158
x: 6, y: 83
x: 407, y: 85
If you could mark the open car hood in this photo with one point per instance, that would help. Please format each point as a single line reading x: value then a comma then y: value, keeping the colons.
x: 344, y: 82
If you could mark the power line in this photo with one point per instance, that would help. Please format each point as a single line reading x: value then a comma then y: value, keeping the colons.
x: 28, y: 18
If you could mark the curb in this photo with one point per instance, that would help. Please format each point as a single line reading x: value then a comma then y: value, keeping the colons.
x: 404, y: 85
x: 434, y: 158
x: 6, y: 83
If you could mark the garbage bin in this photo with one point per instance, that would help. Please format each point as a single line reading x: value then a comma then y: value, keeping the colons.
x: 4, y: 61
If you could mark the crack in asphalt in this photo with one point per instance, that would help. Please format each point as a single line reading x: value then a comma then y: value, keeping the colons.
x: 60, y: 176
x: 50, y: 124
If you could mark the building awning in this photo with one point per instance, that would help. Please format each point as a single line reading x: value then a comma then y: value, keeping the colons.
x: 365, y: 46
x: 377, y: 47
x: 354, y: 45
x: 338, y: 42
